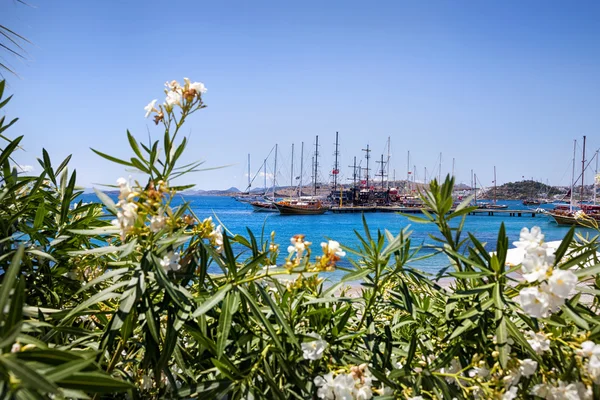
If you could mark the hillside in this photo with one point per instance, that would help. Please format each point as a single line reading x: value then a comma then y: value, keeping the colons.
x: 524, y: 190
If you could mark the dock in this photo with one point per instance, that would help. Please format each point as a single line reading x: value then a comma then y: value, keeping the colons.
x: 418, y: 210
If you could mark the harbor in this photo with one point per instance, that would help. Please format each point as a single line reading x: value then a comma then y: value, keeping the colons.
x: 417, y: 210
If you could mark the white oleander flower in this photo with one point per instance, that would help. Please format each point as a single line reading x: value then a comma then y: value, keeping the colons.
x: 534, y: 268
x: 197, y: 86
x: 333, y: 248
x: 157, y: 223
x: 146, y: 383
x: 15, y: 348
x: 326, y: 386
x: 345, y: 386
x: 170, y: 262
x: 298, y: 245
x: 124, y: 189
x: 415, y: 398
x: 481, y: 372
x: 173, y: 86
x: 173, y: 98
x: 589, y: 349
x: 539, y: 342
x: 150, y: 107
x: 314, y: 349
x: 125, y: 217
x: 541, y: 390
x: 510, y: 394
x: 216, y: 238
x: 579, y: 214
x: 364, y: 393
x: 528, y: 367
x: 534, y: 302
x: 593, y: 368
x: 562, y: 282
x: 512, y: 379
x: 530, y: 239
x: 585, y: 392
x: 566, y: 391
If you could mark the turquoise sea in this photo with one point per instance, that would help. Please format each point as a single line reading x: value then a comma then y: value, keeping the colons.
x: 236, y: 217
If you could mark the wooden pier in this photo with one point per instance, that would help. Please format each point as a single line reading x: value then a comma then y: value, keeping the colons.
x: 418, y: 210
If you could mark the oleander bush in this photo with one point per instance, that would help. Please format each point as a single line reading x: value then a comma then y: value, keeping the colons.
x: 142, y: 299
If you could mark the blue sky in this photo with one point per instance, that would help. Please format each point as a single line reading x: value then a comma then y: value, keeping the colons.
x: 490, y: 83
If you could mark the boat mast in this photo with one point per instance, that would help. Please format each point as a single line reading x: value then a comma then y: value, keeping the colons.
x: 249, y: 181
x: 425, y: 178
x: 367, y: 156
x: 316, y: 163
x: 573, y: 175
x: 335, y: 165
x: 292, y: 173
x: 275, y: 173
x: 408, y: 171
x: 265, y: 174
x: 382, y: 173
x: 475, y: 182
x: 582, y: 171
x: 494, y: 185
x: 301, y: 168
x: 388, y: 162
x: 596, y: 178
x: 354, y: 180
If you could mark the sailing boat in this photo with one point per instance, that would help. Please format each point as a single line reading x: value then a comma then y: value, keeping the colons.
x: 494, y: 205
x: 266, y: 205
x: 303, y: 205
x: 571, y: 217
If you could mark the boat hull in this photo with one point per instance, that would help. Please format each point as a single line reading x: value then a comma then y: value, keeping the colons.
x: 285, y: 209
x: 263, y: 207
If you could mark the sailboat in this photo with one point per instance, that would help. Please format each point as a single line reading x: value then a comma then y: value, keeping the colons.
x: 267, y: 205
x: 303, y: 205
x: 494, y: 205
x: 564, y: 216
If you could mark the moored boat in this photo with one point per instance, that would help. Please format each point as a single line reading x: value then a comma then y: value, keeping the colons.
x: 301, y: 207
x: 263, y: 206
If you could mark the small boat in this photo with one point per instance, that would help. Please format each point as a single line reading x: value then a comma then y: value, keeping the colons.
x: 263, y: 206
x: 302, y: 206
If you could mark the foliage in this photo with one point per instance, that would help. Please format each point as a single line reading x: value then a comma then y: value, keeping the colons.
x: 158, y: 304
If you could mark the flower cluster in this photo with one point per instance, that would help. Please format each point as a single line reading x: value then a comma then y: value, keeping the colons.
x: 562, y: 390
x: 182, y: 96
x: 297, y: 248
x: 591, y: 352
x: 353, y: 385
x: 127, y: 213
x: 332, y: 253
x: 314, y: 349
x: 552, y: 286
x: 170, y: 262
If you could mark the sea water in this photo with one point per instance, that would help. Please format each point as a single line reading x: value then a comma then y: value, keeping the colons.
x: 237, y: 217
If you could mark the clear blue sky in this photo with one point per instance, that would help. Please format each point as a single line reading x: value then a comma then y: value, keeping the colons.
x: 504, y: 83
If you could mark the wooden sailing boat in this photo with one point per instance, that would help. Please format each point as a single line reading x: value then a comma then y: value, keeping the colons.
x: 303, y: 205
x: 562, y: 216
x: 266, y: 205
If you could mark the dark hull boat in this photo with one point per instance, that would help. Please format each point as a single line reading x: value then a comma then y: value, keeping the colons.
x: 301, y: 207
x: 263, y: 206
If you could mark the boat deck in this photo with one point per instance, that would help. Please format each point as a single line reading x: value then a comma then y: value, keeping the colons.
x: 418, y: 210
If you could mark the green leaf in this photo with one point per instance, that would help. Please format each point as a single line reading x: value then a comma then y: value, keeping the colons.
x: 113, y: 159
x: 8, y: 281
x: 278, y: 315
x: 28, y: 375
x: 209, y: 303
x: 107, y: 201
x: 67, y: 369
x: 95, y: 382
x: 229, y: 307
x: 574, y: 316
